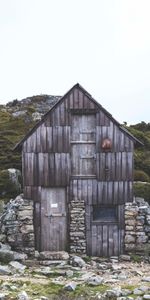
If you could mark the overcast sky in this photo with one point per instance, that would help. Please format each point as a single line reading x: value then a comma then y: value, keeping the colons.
x: 46, y: 46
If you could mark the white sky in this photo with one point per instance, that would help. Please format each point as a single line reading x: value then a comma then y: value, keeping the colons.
x: 46, y: 46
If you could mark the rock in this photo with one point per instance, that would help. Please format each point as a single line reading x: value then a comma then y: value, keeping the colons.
x: 51, y: 255
x: 17, y: 266
x: 36, y: 254
x: 59, y: 263
x: 44, y: 298
x: 14, y: 175
x: 20, y: 256
x: 71, y: 286
x: 129, y: 239
x: 111, y: 294
x: 77, y: 261
x: 122, y: 276
x: 146, y: 296
x: 5, y: 246
x: 36, y: 116
x: 5, y: 270
x: 142, y: 239
x: 125, y: 292
x: 125, y: 257
x: 2, y: 238
x: 2, y: 296
x: 116, y: 267
x: 6, y: 256
x: 23, y: 296
x: 69, y: 273
x: 137, y: 291
x: 144, y: 288
x: 147, y: 279
x: 19, y: 113
x: 44, y: 271
x: 95, y: 280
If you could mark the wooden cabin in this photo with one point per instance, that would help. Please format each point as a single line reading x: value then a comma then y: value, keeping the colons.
x: 78, y: 169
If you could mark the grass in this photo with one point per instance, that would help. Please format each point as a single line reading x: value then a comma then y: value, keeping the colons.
x: 54, y: 291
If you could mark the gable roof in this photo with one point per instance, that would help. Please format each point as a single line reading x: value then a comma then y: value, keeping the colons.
x: 19, y: 144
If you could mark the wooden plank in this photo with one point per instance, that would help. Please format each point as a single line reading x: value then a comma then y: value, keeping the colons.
x: 89, y: 191
x: 94, y: 192
x: 100, y: 193
x: 99, y: 246
x: 124, y: 166
x: 40, y: 159
x: 49, y: 145
x: 80, y: 99
x: 43, y: 138
x: 71, y: 102
x: 129, y: 165
x: 115, y: 239
x: 110, y: 192
x: 76, y: 98
x: 115, y: 192
x: 130, y: 195
x: 37, y: 225
x: 46, y: 169
x: 57, y: 166
x: 105, y: 240
x: 110, y: 241
x: 94, y: 240
x: 38, y: 139
x: 86, y: 102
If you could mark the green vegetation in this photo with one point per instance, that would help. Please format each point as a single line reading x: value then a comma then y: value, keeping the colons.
x: 56, y: 291
x: 142, y: 190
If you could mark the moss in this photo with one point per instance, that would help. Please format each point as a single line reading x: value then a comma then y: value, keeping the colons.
x: 142, y: 190
x: 8, y: 189
x: 136, y: 258
x: 140, y: 175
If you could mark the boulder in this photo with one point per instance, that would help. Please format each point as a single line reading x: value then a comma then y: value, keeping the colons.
x: 17, y: 266
x: 52, y: 255
x: 5, y: 270
x: 138, y: 291
x: 20, y: 256
x: 23, y: 296
x: 77, y: 261
x: 124, y: 257
x: 6, y: 256
x: 3, y: 296
x: 95, y: 280
x: 146, y: 279
x: 71, y: 286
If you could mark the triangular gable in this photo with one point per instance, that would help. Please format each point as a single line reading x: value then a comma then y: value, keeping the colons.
x: 91, y: 99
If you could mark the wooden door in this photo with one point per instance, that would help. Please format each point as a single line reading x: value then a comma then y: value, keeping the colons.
x: 53, y: 219
x: 105, y: 234
x: 83, y: 157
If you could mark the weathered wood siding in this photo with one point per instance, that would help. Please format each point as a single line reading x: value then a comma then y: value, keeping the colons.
x: 65, y: 151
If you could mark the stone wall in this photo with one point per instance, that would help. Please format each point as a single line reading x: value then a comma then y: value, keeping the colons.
x: 77, y: 226
x: 137, y: 226
x: 18, y: 231
x: 17, y: 225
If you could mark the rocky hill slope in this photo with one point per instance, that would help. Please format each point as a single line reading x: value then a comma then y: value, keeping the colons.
x: 16, y: 118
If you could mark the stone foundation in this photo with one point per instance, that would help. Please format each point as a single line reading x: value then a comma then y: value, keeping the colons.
x: 17, y: 225
x: 18, y: 231
x: 137, y: 227
x: 77, y: 226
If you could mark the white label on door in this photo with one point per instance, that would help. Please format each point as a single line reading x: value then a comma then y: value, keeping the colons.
x: 54, y: 205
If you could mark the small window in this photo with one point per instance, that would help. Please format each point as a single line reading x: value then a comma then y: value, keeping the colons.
x: 104, y: 214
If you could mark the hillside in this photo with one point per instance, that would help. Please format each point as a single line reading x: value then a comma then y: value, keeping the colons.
x: 17, y: 117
